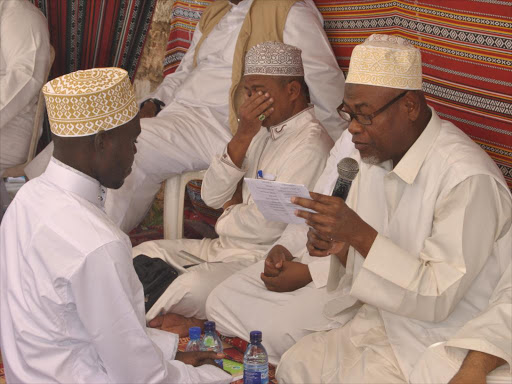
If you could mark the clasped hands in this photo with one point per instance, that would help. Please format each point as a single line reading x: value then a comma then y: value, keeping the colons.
x: 281, y: 274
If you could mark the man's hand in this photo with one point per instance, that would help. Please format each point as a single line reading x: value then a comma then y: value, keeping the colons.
x: 249, y: 125
x: 199, y: 358
x: 254, y: 106
x: 475, y: 368
x: 335, y: 221
x: 148, y: 110
x: 274, y: 261
x: 293, y: 276
x: 469, y: 376
x: 321, y: 246
x: 174, y: 323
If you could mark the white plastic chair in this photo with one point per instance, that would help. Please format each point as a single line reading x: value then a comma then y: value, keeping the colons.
x: 174, y: 198
x: 18, y: 170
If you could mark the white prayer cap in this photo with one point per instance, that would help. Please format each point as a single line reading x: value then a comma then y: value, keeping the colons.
x: 274, y: 59
x: 84, y: 103
x: 386, y: 61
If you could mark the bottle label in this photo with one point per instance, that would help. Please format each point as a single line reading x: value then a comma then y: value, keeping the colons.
x: 209, y: 341
x: 255, y: 377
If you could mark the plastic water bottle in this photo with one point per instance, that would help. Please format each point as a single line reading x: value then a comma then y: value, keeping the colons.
x: 211, y: 342
x: 255, y: 361
x: 194, y: 345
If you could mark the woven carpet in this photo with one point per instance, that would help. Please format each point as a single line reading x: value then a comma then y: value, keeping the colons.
x: 466, y: 49
x: 233, y: 347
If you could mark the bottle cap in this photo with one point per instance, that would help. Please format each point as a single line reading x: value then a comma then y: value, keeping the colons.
x: 209, y: 326
x: 255, y: 337
x: 194, y: 333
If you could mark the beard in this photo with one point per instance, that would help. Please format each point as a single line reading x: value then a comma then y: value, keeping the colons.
x: 371, y: 160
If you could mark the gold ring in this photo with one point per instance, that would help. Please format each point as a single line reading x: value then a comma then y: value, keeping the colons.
x: 262, y: 117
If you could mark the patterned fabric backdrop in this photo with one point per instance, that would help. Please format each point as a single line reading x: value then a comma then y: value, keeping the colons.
x: 97, y: 33
x: 185, y: 16
x: 466, y: 51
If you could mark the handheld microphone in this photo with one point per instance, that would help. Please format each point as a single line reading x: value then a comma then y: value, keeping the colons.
x: 347, y: 171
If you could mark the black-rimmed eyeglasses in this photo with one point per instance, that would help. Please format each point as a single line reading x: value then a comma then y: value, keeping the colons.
x: 367, y: 119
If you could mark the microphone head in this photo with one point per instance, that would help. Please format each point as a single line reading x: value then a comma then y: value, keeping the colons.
x: 348, y: 168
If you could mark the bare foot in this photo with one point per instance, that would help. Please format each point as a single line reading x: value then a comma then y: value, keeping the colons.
x: 174, y: 323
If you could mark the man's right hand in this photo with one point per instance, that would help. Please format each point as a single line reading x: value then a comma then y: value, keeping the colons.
x: 148, y: 110
x: 249, y: 125
x: 257, y: 104
x: 274, y: 261
x: 199, y: 358
x: 321, y: 246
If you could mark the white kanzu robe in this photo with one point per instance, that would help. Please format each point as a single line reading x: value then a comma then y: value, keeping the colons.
x: 489, y: 332
x: 193, y: 127
x: 242, y: 303
x: 24, y: 64
x: 294, y: 151
x: 72, y: 305
x: 443, y: 215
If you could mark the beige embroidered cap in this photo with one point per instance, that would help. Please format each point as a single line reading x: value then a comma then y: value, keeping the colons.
x: 385, y: 61
x: 83, y: 103
x: 274, y: 59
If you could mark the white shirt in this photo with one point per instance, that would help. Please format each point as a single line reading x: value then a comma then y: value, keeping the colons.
x: 207, y: 85
x: 24, y: 64
x: 443, y: 215
x: 294, y: 151
x: 72, y: 306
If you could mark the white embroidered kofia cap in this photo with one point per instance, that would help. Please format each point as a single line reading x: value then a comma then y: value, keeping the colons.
x: 83, y: 103
x: 385, y: 61
x: 274, y: 59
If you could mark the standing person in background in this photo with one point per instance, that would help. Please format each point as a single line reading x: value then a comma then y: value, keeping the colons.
x: 24, y: 65
x: 72, y: 305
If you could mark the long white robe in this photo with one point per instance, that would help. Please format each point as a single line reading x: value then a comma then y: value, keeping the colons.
x: 72, y: 305
x: 443, y: 215
x: 294, y: 151
x: 242, y: 303
x: 24, y: 64
x: 193, y: 127
x: 489, y: 332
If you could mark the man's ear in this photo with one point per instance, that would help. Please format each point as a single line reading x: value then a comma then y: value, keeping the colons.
x: 101, y: 142
x: 294, y: 89
x: 412, y: 103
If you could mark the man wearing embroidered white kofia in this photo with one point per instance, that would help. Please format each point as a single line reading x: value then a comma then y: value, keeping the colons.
x: 422, y: 240
x: 277, y: 134
x: 72, y: 305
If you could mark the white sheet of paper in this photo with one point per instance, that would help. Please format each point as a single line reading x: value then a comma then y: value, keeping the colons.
x: 273, y: 199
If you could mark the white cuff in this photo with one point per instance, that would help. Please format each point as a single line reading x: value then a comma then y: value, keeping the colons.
x: 319, y: 271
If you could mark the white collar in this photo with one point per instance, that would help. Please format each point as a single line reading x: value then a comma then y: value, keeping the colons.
x: 74, y: 181
x: 294, y: 122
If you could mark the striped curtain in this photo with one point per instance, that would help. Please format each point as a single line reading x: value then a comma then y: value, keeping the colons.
x: 185, y: 16
x: 466, y: 49
x: 97, y: 33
